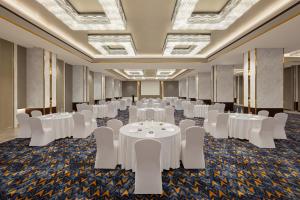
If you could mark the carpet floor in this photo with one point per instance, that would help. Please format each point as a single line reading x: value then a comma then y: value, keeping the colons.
x: 235, y: 169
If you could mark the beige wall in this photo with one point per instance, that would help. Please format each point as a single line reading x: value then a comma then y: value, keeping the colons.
x: 171, y: 89
x: 91, y: 87
x: 68, y: 88
x: 6, y: 84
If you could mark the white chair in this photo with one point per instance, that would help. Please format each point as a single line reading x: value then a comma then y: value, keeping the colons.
x: 263, y: 136
x: 169, y: 116
x: 123, y: 105
x: 211, y: 120
x: 199, y: 102
x: 189, y: 111
x: 148, y: 178
x: 115, y: 125
x: 79, y: 107
x: 221, y: 108
x: 36, y: 113
x: 149, y: 114
x: 263, y: 113
x: 178, y: 105
x: 192, y: 154
x: 183, y: 125
x: 132, y: 114
x: 279, y: 131
x: 107, y: 148
x: 88, y: 117
x: 24, y: 125
x: 82, y: 129
x: 220, y: 129
x: 40, y: 136
x: 112, y: 110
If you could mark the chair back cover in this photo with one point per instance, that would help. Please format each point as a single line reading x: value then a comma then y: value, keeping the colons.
x: 263, y: 113
x: 104, y: 139
x: 267, y: 125
x: 115, y: 125
x: 170, y: 115
x: 79, y: 119
x: 194, y: 137
x: 88, y: 115
x: 281, y: 117
x: 22, y: 119
x: 212, y: 116
x: 148, y: 178
x: 183, y: 125
x: 36, y: 113
x: 36, y: 126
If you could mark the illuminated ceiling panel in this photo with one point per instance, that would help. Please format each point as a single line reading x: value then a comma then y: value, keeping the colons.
x: 185, y: 19
x: 185, y: 45
x: 112, y: 18
x: 113, y: 45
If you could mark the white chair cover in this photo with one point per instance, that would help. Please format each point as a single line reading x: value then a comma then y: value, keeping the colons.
x: 133, y: 114
x: 148, y: 178
x: 192, y: 148
x: 211, y: 120
x: 221, y: 108
x: 279, y: 131
x: 183, y: 125
x: 36, y: 113
x: 40, y: 136
x: 123, y: 104
x: 169, y: 115
x: 115, y: 125
x: 149, y: 114
x: 189, y: 110
x: 263, y: 137
x: 24, y: 124
x: 112, y: 110
x: 139, y: 104
x: 82, y: 129
x: 107, y: 148
x: 220, y: 129
x: 178, y: 105
x: 263, y: 113
x: 88, y: 117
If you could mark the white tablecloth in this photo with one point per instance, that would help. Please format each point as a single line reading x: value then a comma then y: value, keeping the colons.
x: 240, y: 125
x: 167, y: 134
x: 149, y: 105
x: 62, y: 124
x: 201, y: 111
x: 100, y: 111
x: 159, y: 114
x: 116, y: 104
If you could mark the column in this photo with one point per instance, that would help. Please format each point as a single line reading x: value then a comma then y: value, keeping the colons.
x: 222, y: 85
x: 192, y: 87
x: 204, y: 86
x: 79, y: 84
x: 263, y: 80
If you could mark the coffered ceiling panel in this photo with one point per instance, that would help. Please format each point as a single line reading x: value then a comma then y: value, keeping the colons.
x: 210, y: 6
x: 86, y: 6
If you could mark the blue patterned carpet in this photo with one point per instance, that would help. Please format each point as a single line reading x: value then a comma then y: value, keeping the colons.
x: 235, y: 169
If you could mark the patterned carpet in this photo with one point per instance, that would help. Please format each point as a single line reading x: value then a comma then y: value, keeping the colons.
x: 235, y: 169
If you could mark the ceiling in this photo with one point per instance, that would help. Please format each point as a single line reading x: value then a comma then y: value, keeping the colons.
x: 144, y: 29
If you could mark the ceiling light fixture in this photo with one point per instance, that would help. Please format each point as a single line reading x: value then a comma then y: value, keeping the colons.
x: 113, y: 45
x: 165, y: 72
x: 293, y: 54
x: 134, y: 72
x: 184, y: 18
x: 193, y: 44
x: 113, y: 19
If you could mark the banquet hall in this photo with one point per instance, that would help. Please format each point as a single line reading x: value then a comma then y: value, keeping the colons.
x: 149, y: 99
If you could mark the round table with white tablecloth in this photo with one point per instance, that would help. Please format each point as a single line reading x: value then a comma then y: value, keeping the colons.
x: 240, y: 125
x: 100, y: 111
x: 116, y: 104
x: 151, y: 105
x: 201, y: 111
x: 62, y: 124
x: 159, y: 114
x: 167, y: 134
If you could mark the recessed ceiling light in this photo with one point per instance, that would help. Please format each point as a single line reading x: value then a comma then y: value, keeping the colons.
x: 184, y: 18
x: 196, y: 42
x: 113, y: 19
x: 106, y: 44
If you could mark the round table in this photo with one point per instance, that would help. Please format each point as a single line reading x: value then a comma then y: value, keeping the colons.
x: 116, y: 104
x: 100, y: 111
x: 167, y: 134
x: 201, y: 111
x: 62, y: 124
x: 159, y: 114
x: 240, y: 125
